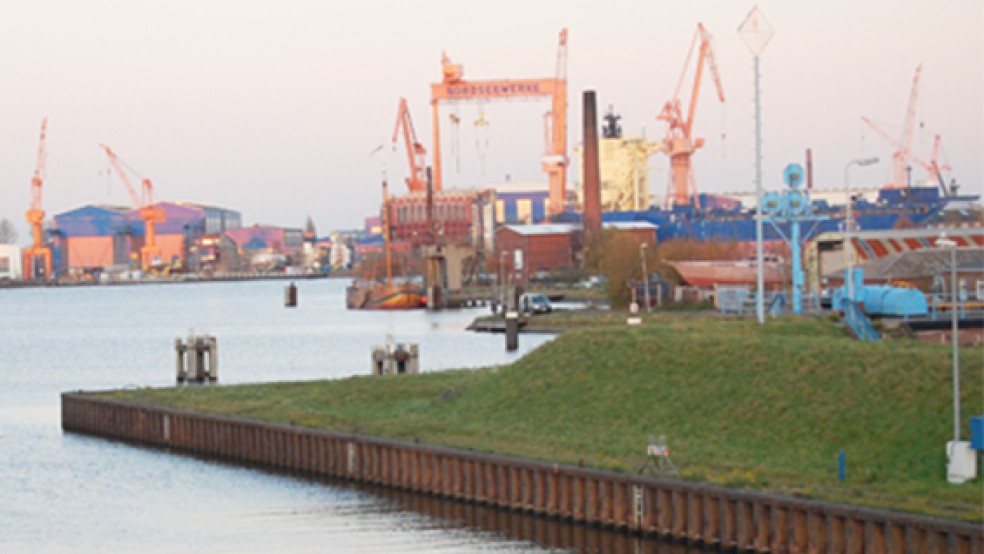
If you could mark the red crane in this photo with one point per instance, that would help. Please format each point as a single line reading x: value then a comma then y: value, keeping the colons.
x: 933, y: 167
x: 150, y: 252
x: 902, y: 155
x: 38, y: 256
x: 417, y: 182
x: 680, y: 144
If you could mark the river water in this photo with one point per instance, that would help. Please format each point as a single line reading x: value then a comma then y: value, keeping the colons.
x: 69, y: 493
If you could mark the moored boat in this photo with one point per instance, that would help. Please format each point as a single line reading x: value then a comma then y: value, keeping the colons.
x: 381, y: 296
x: 390, y: 295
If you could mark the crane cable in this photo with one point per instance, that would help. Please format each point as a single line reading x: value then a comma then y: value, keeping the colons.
x: 455, y: 148
x: 482, y: 132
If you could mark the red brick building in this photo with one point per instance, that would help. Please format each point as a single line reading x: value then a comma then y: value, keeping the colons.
x: 543, y: 247
x: 553, y: 246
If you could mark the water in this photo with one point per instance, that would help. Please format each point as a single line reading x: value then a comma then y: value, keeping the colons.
x: 69, y: 493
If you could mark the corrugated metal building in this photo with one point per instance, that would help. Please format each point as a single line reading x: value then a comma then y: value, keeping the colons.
x: 255, y: 246
x: 826, y: 256
x: 90, y: 238
x: 94, y: 237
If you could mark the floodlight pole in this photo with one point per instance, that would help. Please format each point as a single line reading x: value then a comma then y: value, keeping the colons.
x: 645, y: 274
x: 951, y: 245
x: 759, y: 254
x: 849, y: 224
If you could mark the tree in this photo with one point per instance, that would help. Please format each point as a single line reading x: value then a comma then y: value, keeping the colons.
x: 617, y: 256
x: 8, y: 233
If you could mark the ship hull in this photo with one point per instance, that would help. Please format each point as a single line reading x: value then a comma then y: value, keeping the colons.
x: 912, y: 208
x: 383, y: 297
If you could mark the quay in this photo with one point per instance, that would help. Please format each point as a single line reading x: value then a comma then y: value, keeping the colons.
x: 693, y: 513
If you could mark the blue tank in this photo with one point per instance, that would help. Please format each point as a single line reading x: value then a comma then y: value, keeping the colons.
x: 883, y: 300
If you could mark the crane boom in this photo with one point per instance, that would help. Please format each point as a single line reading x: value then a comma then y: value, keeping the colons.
x: 122, y: 173
x: 903, y: 152
x: 417, y: 182
x: 706, y: 54
x: 680, y: 144
x: 38, y: 180
x: 910, y: 118
x: 150, y: 252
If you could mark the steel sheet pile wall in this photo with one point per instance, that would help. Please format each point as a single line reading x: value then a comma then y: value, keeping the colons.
x: 696, y: 513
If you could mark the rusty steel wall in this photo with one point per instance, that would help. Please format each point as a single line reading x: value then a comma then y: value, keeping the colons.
x: 696, y: 513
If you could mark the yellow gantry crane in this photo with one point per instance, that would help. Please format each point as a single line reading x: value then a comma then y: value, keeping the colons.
x: 37, y: 257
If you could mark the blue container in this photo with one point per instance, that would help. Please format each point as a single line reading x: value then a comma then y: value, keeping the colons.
x: 977, y: 433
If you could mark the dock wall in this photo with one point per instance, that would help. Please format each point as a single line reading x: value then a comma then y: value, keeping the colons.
x: 695, y: 513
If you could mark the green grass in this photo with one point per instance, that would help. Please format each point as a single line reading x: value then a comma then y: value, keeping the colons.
x: 741, y: 405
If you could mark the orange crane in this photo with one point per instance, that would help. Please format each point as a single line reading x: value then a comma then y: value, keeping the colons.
x: 933, y: 167
x: 454, y: 87
x: 417, y: 182
x: 150, y: 252
x: 903, y: 156
x: 38, y: 255
x: 680, y: 143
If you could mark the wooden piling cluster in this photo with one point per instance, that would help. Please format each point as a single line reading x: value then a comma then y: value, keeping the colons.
x: 694, y: 513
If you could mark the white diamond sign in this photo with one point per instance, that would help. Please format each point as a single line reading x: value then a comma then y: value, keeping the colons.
x: 756, y: 31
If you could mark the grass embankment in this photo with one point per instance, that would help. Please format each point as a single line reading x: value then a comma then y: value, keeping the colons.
x: 756, y: 407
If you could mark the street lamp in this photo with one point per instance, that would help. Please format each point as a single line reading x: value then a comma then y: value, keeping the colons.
x: 645, y: 274
x: 950, y: 244
x: 849, y: 223
x: 502, y: 278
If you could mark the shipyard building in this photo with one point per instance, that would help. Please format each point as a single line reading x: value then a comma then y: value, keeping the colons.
x: 96, y: 238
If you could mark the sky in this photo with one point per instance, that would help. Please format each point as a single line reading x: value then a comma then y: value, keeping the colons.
x: 274, y: 108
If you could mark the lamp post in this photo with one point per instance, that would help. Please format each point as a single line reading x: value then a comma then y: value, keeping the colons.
x: 502, y: 278
x: 756, y: 31
x: 849, y: 223
x: 645, y: 274
x: 944, y: 242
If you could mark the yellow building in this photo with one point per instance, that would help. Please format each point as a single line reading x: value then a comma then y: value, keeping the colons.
x: 623, y: 168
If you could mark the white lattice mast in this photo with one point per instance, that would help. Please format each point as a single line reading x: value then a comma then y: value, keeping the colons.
x: 756, y: 31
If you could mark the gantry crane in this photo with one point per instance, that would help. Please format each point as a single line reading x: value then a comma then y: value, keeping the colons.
x: 903, y: 156
x: 150, y: 252
x: 453, y: 87
x: 38, y: 256
x: 680, y: 144
x: 417, y: 181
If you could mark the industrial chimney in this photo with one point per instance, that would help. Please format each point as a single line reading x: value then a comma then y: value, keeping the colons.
x: 592, y: 174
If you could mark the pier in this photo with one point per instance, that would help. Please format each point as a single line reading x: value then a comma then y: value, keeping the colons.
x: 694, y: 513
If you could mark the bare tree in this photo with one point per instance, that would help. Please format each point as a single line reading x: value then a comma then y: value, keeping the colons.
x: 8, y: 233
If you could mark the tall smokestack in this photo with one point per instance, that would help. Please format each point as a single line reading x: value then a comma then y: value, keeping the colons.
x: 809, y: 169
x: 592, y: 177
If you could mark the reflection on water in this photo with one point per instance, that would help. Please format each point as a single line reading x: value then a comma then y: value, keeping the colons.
x: 70, y: 493
x: 544, y: 532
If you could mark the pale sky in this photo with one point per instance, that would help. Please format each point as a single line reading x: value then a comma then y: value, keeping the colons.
x: 273, y: 107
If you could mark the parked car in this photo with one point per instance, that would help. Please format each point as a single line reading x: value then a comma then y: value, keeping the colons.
x: 592, y: 282
x: 535, y: 303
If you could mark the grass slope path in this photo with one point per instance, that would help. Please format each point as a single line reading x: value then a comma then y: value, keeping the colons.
x: 740, y: 405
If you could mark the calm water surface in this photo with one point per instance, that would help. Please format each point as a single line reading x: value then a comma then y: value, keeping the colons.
x: 69, y: 493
